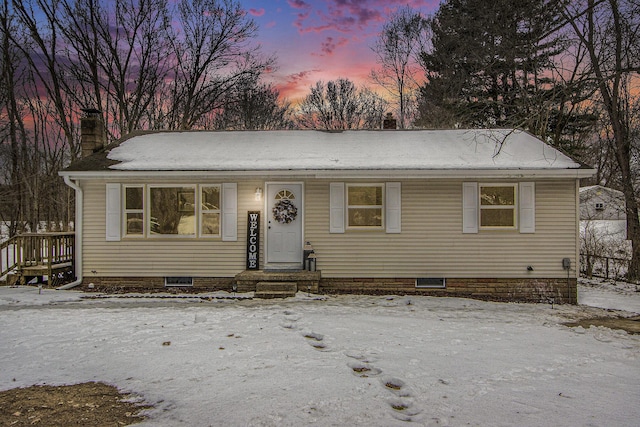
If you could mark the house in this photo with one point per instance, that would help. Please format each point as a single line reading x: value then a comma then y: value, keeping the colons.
x: 605, y: 249
x: 602, y: 203
x: 483, y: 213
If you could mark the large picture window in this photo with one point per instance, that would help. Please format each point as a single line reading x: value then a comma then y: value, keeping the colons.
x: 364, y: 205
x: 172, y: 211
x: 140, y: 210
x: 498, y: 206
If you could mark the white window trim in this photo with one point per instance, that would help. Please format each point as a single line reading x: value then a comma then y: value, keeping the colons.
x: 201, y: 211
x: 482, y: 207
x: 347, y: 206
x: 126, y: 211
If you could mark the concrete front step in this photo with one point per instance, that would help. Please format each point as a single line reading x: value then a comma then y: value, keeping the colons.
x: 305, y: 280
x: 276, y: 289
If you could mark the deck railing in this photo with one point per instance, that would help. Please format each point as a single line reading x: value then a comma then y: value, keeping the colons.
x: 36, y: 249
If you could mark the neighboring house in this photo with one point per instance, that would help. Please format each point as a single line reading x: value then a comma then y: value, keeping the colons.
x: 602, y: 203
x: 386, y: 211
x: 603, y: 232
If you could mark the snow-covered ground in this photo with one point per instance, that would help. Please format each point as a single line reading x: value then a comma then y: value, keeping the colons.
x: 326, y: 361
x: 608, y: 294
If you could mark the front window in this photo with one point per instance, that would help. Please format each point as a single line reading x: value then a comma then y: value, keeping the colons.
x: 364, y: 205
x: 498, y: 206
x: 210, y: 211
x: 134, y: 210
x: 172, y: 211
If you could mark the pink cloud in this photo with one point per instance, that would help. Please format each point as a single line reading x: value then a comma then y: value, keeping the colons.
x: 298, y: 4
x: 300, y: 76
x: 296, y: 85
x: 329, y: 45
x: 345, y: 16
x: 349, y: 16
x: 256, y: 12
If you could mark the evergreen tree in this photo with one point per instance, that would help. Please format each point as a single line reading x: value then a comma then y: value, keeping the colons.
x: 493, y: 65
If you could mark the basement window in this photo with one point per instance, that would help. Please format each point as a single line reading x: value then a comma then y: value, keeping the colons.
x: 178, y: 281
x: 431, y: 283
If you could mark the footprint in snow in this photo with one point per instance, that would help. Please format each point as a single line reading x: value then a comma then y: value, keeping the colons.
x: 363, y: 370
x: 362, y: 357
x: 403, y: 409
x: 290, y: 320
x: 313, y: 336
x: 315, y: 340
x: 396, y: 386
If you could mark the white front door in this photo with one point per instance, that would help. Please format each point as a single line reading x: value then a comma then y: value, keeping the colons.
x: 284, y: 218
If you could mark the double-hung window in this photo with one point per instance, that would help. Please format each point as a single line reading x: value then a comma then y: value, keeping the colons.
x: 365, y: 206
x: 134, y: 210
x: 210, y: 211
x: 498, y: 208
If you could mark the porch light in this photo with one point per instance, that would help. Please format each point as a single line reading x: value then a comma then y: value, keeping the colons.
x: 258, y: 194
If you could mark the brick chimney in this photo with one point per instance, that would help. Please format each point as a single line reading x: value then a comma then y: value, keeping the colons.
x: 92, y: 132
x: 389, y: 122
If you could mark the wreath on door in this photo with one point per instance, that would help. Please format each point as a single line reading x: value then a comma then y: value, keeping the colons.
x: 284, y: 211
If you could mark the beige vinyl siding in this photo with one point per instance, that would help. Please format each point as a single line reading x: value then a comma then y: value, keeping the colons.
x: 432, y: 243
x: 146, y: 257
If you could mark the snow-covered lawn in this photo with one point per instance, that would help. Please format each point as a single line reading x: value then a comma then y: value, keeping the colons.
x: 607, y: 294
x: 344, y: 360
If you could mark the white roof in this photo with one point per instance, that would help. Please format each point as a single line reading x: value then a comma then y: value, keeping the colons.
x: 416, y: 150
x: 600, y: 188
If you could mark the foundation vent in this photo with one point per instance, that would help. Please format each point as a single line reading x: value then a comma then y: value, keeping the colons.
x: 178, y: 281
x: 431, y: 283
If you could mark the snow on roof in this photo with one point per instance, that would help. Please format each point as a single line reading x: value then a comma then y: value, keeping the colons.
x: 600, y: 188
x: 347, y: 150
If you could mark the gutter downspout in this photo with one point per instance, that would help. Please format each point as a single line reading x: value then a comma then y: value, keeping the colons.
x: 78, y: 237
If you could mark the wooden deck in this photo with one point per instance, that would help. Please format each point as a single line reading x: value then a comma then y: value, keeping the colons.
x: 39, y: 255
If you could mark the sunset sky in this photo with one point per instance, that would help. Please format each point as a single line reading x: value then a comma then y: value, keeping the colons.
x: 322, y: 39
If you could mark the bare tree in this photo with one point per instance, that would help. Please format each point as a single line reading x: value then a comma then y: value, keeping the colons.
x: 397, y: 50
x: 119, y: 55
x: 40, y: 19
x: 33, y: 141
x: 215, y: 53
x: 339, y: 105
x: 251, y: 105
x: 610, y: 32
x: 13, y: 134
